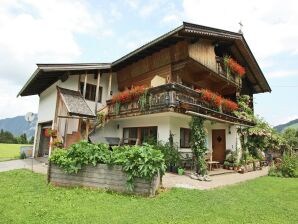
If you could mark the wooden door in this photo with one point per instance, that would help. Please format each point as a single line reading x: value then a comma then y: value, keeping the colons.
x: 219, y: 145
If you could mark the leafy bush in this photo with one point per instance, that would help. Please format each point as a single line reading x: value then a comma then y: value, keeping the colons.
x: 170, y: 152
x: 79, y: 155
x: 23, y: 155
x: 288, y: 167
x: 137, y: 161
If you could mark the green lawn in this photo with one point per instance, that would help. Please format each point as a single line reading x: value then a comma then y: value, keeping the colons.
x: 26, y: 198
x: 9, y: 151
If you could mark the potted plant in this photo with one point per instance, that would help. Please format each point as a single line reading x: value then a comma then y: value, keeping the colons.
x: 236, y: 166
x: 226, y: 165
x: 231, y: 167
x: 180, y: 171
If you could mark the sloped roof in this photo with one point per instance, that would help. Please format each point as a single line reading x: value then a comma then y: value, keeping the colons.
x: 46, y: 74
x: 75, y: 103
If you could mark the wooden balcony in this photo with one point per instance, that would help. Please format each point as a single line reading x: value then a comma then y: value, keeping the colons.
x: 226, y: 74
x: 171, y: 97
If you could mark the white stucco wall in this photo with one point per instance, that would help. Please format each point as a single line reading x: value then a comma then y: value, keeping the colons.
x: 47, y: 104
x: 104, y: 83
x: 47, y: 99
x: 162, y: 122
x: 167, y: 122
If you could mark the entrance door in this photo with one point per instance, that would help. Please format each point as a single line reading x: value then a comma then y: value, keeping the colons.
x: 219, y: 145
x: 43, y: 147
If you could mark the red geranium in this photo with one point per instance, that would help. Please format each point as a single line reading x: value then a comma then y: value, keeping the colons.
x: 230, y: 105
x: 234, y: 66
x: 217, y: 100
x: 128, y: 95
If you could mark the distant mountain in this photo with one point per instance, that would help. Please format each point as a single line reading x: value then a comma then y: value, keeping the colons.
x: 18, y: 125
x: 290, y: 124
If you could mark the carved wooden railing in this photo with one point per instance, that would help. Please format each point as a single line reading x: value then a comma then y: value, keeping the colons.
x: 168, y: 97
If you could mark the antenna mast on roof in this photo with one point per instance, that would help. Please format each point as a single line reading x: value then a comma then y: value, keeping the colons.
x: 241, y: 25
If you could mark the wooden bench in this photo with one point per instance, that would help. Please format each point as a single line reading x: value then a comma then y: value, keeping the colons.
x: 212, y: 164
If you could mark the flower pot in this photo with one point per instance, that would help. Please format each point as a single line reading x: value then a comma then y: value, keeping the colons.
x: 180, y: 171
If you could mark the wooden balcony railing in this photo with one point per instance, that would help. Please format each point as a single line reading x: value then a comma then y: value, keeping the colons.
x: 169, y: 97
x: 226, y: 74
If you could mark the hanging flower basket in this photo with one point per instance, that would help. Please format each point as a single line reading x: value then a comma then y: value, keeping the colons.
x: 49, y: 132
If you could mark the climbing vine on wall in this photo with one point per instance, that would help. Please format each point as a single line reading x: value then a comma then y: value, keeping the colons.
x: 198, y: 145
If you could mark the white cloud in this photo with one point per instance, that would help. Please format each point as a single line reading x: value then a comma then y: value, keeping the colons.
x: 283, y: 73
x: 270, y: 27
x: 284, y: 120
x: 133, y: 3
x: 12, y: 106
x: 34, y: 31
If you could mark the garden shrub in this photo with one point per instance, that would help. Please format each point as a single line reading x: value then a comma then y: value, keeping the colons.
x: 287, y: 168
x: 137, y: 161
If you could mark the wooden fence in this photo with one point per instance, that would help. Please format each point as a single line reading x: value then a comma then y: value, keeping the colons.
x: 104, y: 177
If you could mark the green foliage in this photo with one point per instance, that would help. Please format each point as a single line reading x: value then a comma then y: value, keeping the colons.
x: 143, y: 100
x: 198, y: 143
x: 7, y: 137
x: 137, y: 161
x: 290, y: 136
x: 117, y: 108
x: 170, y: 151
x: 23, y: 155
x: 245, y: 111
x: 262, y: 137
x: 287, y: 168
x: 79, y: 155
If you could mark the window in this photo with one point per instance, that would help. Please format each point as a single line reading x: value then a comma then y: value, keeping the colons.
x: 91, y: 91
x: 185, y: 138
x: 149, y: 134
x: 130, y: 135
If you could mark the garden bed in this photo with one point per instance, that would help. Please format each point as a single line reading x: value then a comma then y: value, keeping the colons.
x: 104, y: 177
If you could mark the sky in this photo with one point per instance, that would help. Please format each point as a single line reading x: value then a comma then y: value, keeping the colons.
x: 63, y: 31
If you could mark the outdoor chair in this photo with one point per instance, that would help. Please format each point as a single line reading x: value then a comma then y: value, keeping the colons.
x: 211, y: 164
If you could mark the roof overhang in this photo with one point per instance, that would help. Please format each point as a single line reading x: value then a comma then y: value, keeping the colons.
x: 193, y: 32
x: 47, y: 74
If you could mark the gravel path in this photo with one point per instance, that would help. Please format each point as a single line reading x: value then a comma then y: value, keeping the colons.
x: 173, y: 180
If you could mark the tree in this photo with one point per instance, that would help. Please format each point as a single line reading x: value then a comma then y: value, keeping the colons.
x: 31, y: 141
x: 290, y: 135
x: 198, y: 143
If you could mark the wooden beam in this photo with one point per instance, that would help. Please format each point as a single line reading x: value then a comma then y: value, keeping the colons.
x: 87, y: 128
x: 110, y: 86
x: 97, y: 91
x: 85, y: 85
x: 65, y: 132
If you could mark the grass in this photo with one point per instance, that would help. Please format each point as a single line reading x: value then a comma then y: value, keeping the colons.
x: 26, y: 198
x: 9, y: 151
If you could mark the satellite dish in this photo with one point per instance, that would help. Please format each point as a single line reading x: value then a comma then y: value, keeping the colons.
x: 29, y: 117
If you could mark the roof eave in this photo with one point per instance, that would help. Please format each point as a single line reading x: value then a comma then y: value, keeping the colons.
x: 28, y: 81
